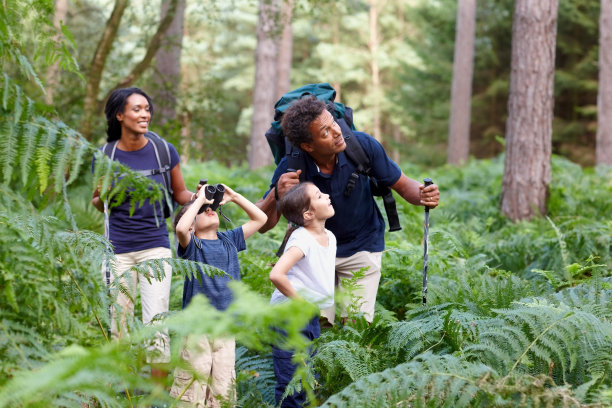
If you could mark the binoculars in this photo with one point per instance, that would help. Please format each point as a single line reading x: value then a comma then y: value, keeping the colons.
x: 212, y: 192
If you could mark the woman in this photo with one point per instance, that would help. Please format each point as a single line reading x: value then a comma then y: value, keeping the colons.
x: 143, y: 235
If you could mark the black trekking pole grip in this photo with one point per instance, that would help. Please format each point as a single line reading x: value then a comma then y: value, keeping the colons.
x: 426, y: 182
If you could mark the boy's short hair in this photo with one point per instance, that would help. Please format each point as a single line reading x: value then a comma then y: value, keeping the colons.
x: 181, y: 212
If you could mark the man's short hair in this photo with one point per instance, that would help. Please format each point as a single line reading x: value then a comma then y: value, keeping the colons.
x: 298, y: 118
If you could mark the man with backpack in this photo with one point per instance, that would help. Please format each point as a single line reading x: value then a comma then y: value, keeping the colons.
x: 358, y: 224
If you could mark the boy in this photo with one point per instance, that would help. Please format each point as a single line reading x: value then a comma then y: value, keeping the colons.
x: 199, y: 240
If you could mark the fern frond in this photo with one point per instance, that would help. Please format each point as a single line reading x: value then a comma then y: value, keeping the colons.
x: 542, y: 338
x: 255, y: 378
x: 8, y: 149
x: 429, y: 380
x: 61, y: 162
x: 27, y: 149
x: 44, y: 152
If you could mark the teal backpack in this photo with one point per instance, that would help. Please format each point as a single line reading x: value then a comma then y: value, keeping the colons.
x: 343, y: 115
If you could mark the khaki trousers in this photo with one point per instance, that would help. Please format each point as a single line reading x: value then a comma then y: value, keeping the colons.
x: 154, y: 297
x: 368, y: 285
x: 212, y: 361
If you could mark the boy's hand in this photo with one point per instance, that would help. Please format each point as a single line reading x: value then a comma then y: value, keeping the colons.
x: 229, y: 195
x: 200, y: 196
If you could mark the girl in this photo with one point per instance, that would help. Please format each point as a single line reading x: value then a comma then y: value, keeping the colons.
x: 305, y: 270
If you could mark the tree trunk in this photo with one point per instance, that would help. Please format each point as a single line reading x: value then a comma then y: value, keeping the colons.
x: 285, y: 51
x: 59, y: 15
x: 186, y: 147
x: 265, y: 82
x: 397, y: 138
x: 168, y: 66
x: 530, y: 109
x: 373, y: 45
x: 461, y: 92
x: 604, y: 94
x: 92, y: 106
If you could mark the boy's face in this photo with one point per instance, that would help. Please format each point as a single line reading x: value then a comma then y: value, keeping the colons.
x: 207, y: 220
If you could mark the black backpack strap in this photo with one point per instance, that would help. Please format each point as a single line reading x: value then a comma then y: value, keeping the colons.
x: 356, y: 154
x: 354, y: 151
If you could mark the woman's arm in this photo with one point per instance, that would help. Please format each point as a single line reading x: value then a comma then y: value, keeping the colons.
x: 97, y: 201
x: 179, y: 191
x: 278, y: 274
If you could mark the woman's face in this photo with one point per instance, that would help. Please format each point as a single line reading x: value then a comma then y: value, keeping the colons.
x: 136, y: 115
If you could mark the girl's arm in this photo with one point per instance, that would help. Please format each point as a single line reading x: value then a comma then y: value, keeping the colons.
x: 278, y: 274
x: 257, y: 217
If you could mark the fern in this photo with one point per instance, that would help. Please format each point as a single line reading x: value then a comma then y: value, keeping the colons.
x: 255, y: 379
x: 542, y: 338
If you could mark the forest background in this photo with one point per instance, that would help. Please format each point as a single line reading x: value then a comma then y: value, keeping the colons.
x: 519, y: 313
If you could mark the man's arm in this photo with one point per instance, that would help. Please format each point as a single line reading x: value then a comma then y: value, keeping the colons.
x: 415, y: 193
x: 268, y: 203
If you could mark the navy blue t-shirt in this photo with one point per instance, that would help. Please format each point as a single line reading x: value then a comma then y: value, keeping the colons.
x: 358, y: 224
x: 222, y: 253
x: 140, y: 231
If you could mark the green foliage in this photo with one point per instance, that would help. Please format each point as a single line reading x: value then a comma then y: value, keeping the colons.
x: 518, y: 314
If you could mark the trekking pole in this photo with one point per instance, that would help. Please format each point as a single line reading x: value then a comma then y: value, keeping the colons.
x: 426, y: 182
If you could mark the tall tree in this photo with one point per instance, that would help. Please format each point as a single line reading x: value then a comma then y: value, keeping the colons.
x: 604, y: 93
x: 168, y: 65
x: 265, y: 83
x: 60, y: 10
x: 530, y: 109
x: 374, y: 70
x: 285, y: 50
x: 461, y: 91
x: 92, y: 105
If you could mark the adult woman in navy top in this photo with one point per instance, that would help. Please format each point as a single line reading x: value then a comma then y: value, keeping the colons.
x: 143, y: 235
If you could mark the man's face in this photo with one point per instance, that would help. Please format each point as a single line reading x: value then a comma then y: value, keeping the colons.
x: 326, y: 136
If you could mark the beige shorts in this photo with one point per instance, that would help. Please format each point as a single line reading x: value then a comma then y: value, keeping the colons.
x: 211, y: 378
x: 368, y: 285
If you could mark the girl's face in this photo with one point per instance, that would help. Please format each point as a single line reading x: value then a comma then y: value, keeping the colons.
x: 136, y: 115
x: 320, y: 203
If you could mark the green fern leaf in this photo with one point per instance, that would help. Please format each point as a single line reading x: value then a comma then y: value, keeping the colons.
x: 27, y: 149
x: 8, y: 150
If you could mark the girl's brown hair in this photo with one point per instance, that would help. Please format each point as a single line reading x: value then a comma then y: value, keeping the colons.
x: 293, y: 205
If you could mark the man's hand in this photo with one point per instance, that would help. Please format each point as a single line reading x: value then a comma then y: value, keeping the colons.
x: 430, y: 195
x: 286, y: 181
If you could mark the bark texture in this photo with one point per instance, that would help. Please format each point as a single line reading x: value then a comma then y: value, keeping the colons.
x: 604, y: 94
x: 285, y: 51
x: 461, y: 91
x: 265, y: 83
x: 168, y: 65
x: 530, y: 109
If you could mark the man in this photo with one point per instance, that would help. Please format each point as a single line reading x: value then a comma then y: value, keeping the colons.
x: 358, y: 224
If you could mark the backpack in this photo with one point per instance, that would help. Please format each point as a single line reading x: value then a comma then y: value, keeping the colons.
x: 343, y: 115
x: 162, y: 154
